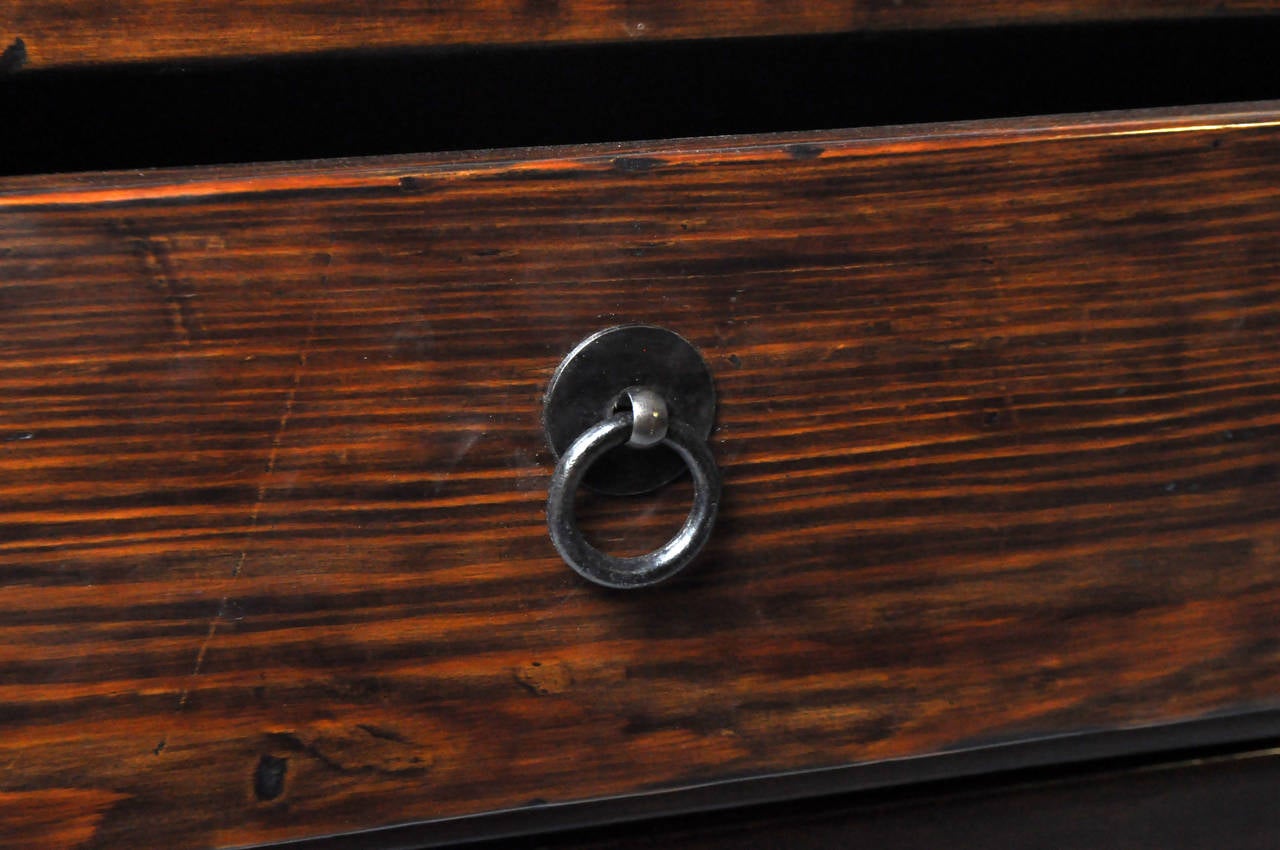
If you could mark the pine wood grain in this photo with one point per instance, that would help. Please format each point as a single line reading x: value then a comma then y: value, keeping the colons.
x: 998, y: 424
x: 43, y: 34
x: 52, y: 819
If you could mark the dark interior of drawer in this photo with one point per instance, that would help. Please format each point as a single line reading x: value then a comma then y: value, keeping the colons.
x: 1191, y: 801
x: 355, y: 104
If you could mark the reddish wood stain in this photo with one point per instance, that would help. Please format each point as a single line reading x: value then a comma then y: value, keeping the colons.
x: 78, y: 32
x: 999, y: 427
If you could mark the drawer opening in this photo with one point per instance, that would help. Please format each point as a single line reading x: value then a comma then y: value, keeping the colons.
x: 359, y: 104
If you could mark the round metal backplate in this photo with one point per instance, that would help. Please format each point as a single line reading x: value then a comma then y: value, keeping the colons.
x: 588, y: 382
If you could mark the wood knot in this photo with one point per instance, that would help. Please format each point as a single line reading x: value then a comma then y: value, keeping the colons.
x: 268, y: 778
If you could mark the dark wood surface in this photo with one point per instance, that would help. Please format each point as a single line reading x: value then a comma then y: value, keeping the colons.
x: 44, y: 34
x: 998, y: 428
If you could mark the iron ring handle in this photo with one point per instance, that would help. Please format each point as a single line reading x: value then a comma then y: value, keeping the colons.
x: 666, y: 560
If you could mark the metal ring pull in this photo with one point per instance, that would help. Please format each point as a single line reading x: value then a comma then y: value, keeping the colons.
x: 653, y: 427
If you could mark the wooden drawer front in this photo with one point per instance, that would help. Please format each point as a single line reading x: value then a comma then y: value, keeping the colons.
x: 999, y: 425
x: 40, y: 34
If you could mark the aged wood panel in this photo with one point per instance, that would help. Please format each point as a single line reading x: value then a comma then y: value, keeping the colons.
x: 42, y: 34
x: 998, y: 428
x: 57, y: 817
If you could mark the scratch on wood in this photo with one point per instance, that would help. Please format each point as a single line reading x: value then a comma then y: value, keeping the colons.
x: 260, y: 499
x: 158, y: 263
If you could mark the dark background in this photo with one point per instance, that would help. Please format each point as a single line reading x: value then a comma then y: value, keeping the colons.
x: 455, y: 99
